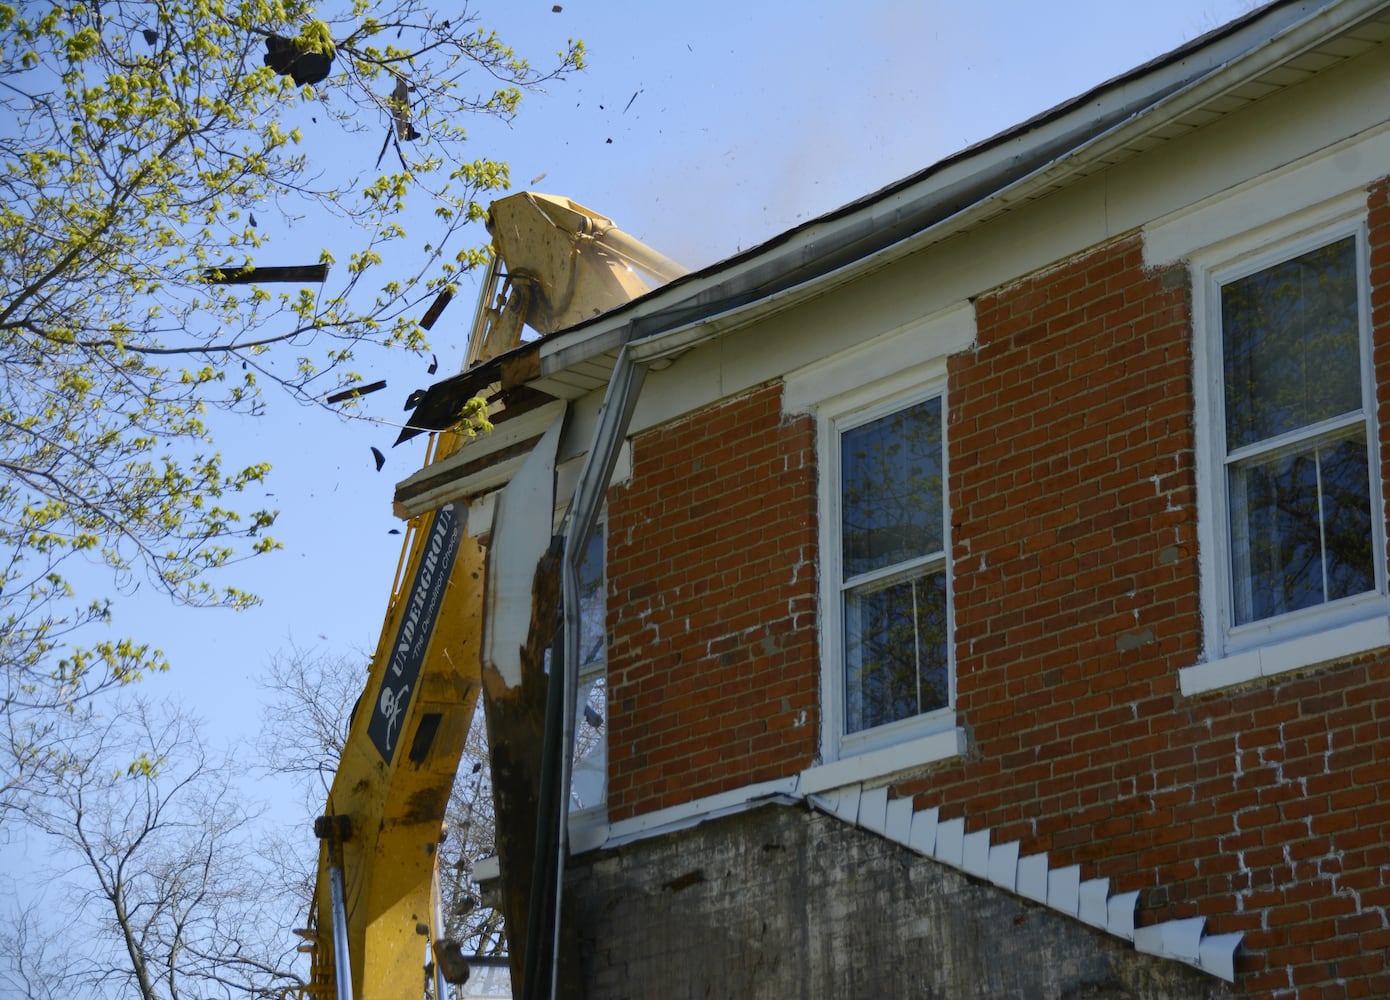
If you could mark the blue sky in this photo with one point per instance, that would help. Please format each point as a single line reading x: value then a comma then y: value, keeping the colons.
x: 701, y: 128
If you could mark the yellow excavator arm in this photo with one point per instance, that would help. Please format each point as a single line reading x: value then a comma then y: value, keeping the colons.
x: 375, y: 924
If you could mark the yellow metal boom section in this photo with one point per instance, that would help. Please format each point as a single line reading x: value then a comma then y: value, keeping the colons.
x: 398, y: 765
x: 557, y: 264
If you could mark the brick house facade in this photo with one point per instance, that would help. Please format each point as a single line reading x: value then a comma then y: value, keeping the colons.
x: 1112, y: 674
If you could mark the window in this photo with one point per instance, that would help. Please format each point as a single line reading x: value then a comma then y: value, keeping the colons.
x: 888, y: 632
x: 1295, y: 495
x: 589, y: 784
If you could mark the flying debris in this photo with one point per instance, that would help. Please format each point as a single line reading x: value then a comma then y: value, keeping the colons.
x: 286, y: 58
x: 436, y: 307
x: 233, y: 275
x: 357, y: 390
x: 151, y: 36
x: 378, y: 457
x: 399, y: 103
x: 434, y: 365
x: 253, y: 220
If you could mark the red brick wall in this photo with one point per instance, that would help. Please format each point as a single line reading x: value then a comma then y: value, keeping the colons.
x: 1073, y: 504
x: 1265, y: 810
x: 712, y: 593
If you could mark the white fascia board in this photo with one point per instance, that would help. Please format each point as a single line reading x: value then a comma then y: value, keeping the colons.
x: 1092, y: 128
x: 505, y: 434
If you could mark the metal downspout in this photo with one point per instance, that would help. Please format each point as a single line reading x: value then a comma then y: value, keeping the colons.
x: 619, y: 401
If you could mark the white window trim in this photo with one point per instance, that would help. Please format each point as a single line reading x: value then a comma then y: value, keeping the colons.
x: 932, y: 735
x: 1312, y: 636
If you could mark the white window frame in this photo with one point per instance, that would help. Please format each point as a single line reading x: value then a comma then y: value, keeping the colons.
x: 931, y: 735
x: 1232, y: 653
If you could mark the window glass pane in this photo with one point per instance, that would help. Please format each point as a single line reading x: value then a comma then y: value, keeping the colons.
x: 1290, y: 340
x: 895, y: 651
x: 1346, y: 517
x: 589, y: 778
x: 1301, y: 529
x: 593, y: 603
x: 890, y: 492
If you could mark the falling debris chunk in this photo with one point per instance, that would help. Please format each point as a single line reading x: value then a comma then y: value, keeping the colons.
x: 151, y: 36
x: 378, y: 457
x: 631, y: 99
x: 556, y: 9
x: 399, y: 103
x: 253, y: 220
x: 355, y: 391
x: 434, y: 365
x: 537, y: 179
x: 286, y: 58
x: 436, y: 307
x: 265, y: 275
x: 610, y: 142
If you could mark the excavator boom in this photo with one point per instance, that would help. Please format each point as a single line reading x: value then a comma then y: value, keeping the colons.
x: 375, y: 925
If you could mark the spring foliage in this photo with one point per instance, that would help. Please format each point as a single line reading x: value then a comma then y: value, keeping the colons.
x: 141, y: 139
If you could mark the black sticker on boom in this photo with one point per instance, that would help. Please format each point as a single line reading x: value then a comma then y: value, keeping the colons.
x: 417, y: 625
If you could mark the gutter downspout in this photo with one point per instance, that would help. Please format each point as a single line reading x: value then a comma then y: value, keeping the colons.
x: 619, y: 401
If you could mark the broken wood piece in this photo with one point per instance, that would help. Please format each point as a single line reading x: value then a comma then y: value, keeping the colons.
x: 301, y: 273
x: 436, y: 307
x: 355, y: 391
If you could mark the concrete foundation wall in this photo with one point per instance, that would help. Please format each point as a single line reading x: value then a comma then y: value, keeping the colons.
x: 784, y: 903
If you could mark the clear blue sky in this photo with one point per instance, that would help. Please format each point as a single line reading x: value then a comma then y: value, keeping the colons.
x: 729, y: 123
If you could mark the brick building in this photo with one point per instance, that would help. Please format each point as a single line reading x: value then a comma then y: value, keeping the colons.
x: 993, y: 573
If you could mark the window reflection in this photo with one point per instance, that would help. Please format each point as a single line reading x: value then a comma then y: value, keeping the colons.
x: 1298, y: 467
x: 896, y: 654
x: 589, y: 781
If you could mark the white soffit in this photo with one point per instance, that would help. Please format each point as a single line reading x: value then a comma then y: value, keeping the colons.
x: 521, y: 529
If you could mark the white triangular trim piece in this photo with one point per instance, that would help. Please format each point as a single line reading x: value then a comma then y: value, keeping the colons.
x: 1120, y: 918
x: 1093, y: 894
x: 899, y: 825
x: 1003, y: 865
x: 1032, y: 877
x: 1217, y: 955
x: 975, y: 853
x: 873, y: 810
x: 1064, y: 889
x: 842, y: 803
x: 950, y: 842
x: 1180, y: 939
x: 924, y: 825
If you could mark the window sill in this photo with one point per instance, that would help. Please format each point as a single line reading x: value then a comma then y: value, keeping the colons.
x: 882, y: 763
x: 1282, y: 657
